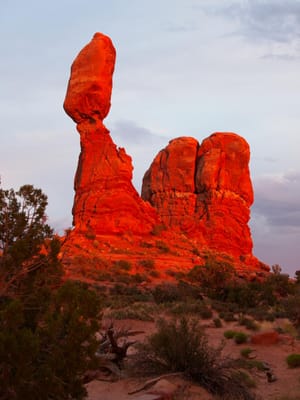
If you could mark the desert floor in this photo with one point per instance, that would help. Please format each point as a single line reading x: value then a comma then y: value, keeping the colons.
x: 286, y: 386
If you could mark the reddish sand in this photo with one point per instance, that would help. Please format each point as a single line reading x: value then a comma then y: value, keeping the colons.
x: 287, y: 383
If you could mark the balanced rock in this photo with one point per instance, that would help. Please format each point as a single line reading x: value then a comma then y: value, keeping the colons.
x: 204, y: 191
x: 105, y: 199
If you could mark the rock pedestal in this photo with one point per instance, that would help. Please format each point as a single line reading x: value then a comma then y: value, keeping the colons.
x: 105, y: 199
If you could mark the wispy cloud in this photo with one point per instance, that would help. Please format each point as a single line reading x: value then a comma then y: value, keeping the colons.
x: 277, y: 199
x: 275, y: 24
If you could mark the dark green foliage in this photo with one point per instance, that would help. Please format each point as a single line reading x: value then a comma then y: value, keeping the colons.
x: 181, y: 346
x: 246, y: 352
x: 162, y: 246
x: 240, y: 337
x: 293, y: 360
x: 166, y: 293
x: 47, y: 330
x: 229, y: 334
x: 227, y: 316
x: 205, y: 313
x: 22, y: 223
x: 45, y: 357
x: 213, y: 276
x: 195, y: 307
x: 292, y: 310
x: 297, y: 277
x: 249, y: 323
x: 217, y: 322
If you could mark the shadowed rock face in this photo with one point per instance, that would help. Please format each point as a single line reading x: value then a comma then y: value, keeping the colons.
x: 105, y: 199
x: 204, y: 190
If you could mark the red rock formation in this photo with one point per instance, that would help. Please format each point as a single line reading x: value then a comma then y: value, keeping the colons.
x: 169, y: 184
x: 204, y: 191
x: 201, y: 194
x: 105, y: 199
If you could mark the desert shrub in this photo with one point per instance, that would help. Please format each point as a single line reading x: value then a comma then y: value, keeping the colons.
x: 227, y: 316
x: 147, y: 263
x: 279, y: 284
x: 205, y: 313
x: 138, y: 311
x: 166, y: 293
x: 249, y: 323
x: 48, y: 343
x: 293, y: 360
x: 245, y: 363
x: 181, y: 346
x: 127, y: 294
x: 162, y: 246
x: 187, y: 307
x: 245, y: 378
x: 240, y: 337
x: 262, y: 314
x: 229, y: 334
x: 245, y: 352
x: 188, y: 291
x: 292, y: 310
x: 122, y: 265
x: 217, y: 322
x: 213, y: 276
x: 154, y: 274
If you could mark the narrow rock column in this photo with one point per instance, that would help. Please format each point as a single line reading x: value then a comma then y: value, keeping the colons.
x: 105, y: 199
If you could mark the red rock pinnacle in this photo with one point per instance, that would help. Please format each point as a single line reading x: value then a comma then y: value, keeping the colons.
x: 204, y: 191
x: 105, y: 199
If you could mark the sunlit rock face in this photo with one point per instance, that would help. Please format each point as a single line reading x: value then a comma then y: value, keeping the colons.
x: 204, y: 190
x: 105, y: 199
x: 90, y: 85
x: 195, y: 198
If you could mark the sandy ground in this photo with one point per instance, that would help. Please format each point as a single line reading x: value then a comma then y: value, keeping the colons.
x: 287, y: 383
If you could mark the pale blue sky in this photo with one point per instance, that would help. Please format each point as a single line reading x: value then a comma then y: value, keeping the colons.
x: 184, y: 68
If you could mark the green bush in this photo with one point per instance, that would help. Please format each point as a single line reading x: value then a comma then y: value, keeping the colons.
x: 249, y: 323
x: 47, y: 329
x: 217, y: 322
x: 181, y: 346
x: 240, y: 337
x: 227, y: 316
x: 206, y: 313
x: 293, y: 360
x: 229, y: 334
x: 212, y: 276
x: 45, y: 354
x: 246, y: 352
x: 184, y: 308
x: 166, y: 293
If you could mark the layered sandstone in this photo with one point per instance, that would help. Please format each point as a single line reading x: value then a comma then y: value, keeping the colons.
x: 105, y: 199
x: 200, y: 194
x: 204, y: 190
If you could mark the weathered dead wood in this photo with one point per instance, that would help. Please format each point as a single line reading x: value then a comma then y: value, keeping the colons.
x: 151, y: 382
